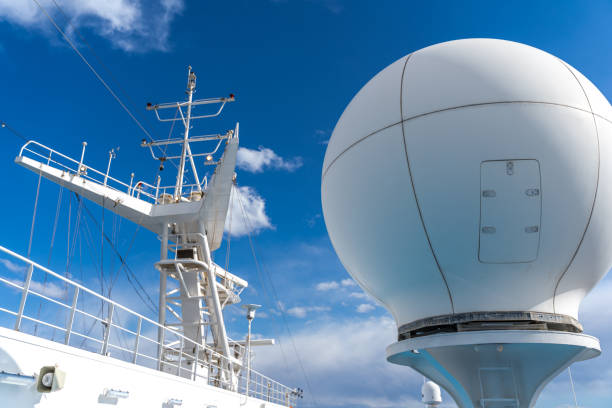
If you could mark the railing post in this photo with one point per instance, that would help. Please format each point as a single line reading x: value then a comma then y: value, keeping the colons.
x: 130, y: 187
x: 138, y: 329
x: 180, y: 356
x: 109, y: 324
x: 82, y: 157
x: 24, y: 295
x: 160, y: 351
x: 111, y: 155
x: 157, y: 188
x: 195, y: 367
x: 210, y: 366
x: 72, y: 311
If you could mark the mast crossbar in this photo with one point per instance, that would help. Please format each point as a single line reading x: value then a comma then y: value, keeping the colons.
x: 203, y: 138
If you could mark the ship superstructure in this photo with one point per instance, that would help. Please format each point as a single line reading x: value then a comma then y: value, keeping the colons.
x: 189, y: 358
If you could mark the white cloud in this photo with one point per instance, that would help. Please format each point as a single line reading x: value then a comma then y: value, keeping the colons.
x: 312, y: 221
x: 595, y: 311
x: 323, y: 136
x: 255, y: 161
x: 298, y: 312
x: 302, y: 311
x: 132, y: 25
x: 48, y: 289
x: 360, y: 295
x: 346, y: 364
x: 254, y: 206
x: 12, y: 266
x: 323, y: 286
x: 365, y: 308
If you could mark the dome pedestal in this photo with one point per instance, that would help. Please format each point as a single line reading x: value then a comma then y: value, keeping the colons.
x: 494, y: 368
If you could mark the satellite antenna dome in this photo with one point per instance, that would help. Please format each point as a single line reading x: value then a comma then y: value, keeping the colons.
x: 473, y: 176
x: 468, y: 187
x: 431, y: 394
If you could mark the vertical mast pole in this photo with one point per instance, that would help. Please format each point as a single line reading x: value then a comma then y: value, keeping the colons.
x: 162, y: 290
x: 191, y: 83
x: 248, y: 355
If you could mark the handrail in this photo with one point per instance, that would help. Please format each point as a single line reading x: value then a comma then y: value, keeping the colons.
x: 81, y: 170
x: 52, y: 151
x: 217, y: 367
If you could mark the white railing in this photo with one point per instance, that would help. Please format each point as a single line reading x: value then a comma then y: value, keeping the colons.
x: 63, y: 306
x: 140, y: 189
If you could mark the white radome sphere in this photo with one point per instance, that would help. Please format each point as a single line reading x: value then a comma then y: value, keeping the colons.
x: 473, y: 175
x: 431, y: 394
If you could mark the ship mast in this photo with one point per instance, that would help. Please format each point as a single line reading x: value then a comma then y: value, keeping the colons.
x: 191, y: 84
x: 189, y: 219
x: 198, y: 297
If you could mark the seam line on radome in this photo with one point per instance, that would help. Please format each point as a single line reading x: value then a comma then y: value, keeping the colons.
x: 416, y: 198
x: 588, y: 223
x: 449, y: 109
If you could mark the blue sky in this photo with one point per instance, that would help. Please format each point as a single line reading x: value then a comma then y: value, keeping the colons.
x: 294, y: 65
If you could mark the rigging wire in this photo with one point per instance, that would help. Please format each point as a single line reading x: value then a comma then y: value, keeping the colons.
x: 260, y: 267
x: 57, y: 213
x: 75, y: 235
x: 129, y: 274
x: 114, y: 275
x: 5, y: 125
x: 569, y: 371
x: 102, y: 249
x: 102, y: 277
x: 229, y: 232
x: 89, y: 240
x: 104, y: 66
x: 108, y: 88
x: 34, y: 214
x: 44, y: 283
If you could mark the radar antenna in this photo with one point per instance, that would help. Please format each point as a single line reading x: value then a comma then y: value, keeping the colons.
x: 186, y: 118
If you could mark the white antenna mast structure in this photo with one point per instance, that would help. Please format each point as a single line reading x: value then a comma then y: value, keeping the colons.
x: 189, y: 223
x: 186, y: 118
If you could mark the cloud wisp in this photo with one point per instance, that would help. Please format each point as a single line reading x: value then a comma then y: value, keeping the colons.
x: 346, y: 364
x: 248, y: 212
x: 12, y: 266
x: 325, y: 286
x: 365, y: 308
x: 256, y: 161
x: 130, y: 25
x: 302, y: 311
x: 343, y: 290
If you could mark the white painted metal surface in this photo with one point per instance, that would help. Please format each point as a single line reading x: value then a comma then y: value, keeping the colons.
x: 196, y: 219
x: 485, y: 368
x: 474, y: 177
x: 189, y: 220
x: 406, y: 158
x: 124, y: 353
x: 431, y: 394
x: 138, y: 201
x: 89, y: 376
x: 510, y: 211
